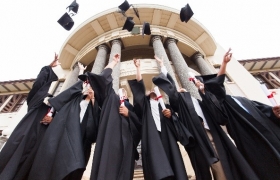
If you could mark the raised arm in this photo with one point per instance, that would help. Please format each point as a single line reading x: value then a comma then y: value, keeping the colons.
x: 162, y: 67
x: 227, y: 58
x: 138, y: 69
x: 81, y: 68
x: 42, y: 84
x: 113, y: 63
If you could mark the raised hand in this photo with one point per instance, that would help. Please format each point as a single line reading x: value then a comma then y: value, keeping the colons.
x: 81, y: 66
x: 55, y: 62
x: 116, y: 58
x: 160, y: 61
x: 227, y: 56
x: 136, y: 63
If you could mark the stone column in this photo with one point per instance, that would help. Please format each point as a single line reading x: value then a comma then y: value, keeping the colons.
x: 116, y: 49
x: 201, y: 63
x: 72, y: 77
x: 181, y: 67
x: 161, y: 53
x: 100, y: 60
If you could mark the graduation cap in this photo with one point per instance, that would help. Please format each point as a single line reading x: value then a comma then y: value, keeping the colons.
x: 146, y: 29
x: 66, y: 21
x: 74, y: 6
x: 186, y: 13
x: 125, y: 6
x: 129, y: 24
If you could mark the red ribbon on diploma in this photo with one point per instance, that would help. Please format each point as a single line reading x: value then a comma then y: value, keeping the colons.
x: 270, y: 95
x: 157, y: 98
x: 191, y: 79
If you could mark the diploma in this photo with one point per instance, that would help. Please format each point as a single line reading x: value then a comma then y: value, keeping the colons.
x: 269, y: 95
x: 121, y: 97
x: 193, y: 79
x: 159, y: 98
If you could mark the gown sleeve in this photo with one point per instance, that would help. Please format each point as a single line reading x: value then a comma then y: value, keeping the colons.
x: 139, y: 96
x: 167, y: 84
x: 40, y: 87
x: 66, y: 96
x: 267, y: 110
x: 101, y: 84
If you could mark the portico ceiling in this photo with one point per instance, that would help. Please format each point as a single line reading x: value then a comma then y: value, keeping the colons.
x: 106, y: 26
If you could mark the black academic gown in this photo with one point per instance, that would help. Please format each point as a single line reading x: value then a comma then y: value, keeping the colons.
x: 161, y: 155
x: 18, y: 153
x: 234, y: 164
x: 202, y: 154
x: 251, y: 133
x: 118, y: 136
x: 66, y: 145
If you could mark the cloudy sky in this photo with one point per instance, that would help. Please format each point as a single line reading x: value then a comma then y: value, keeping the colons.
x: 30, y: 33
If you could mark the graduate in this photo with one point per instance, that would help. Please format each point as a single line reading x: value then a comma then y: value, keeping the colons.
x: 202, y: 154
x: 161, y: 156
x: 119, y: 130
x: 252, y: 125
x: 17, y: 155
x: 66, y: 146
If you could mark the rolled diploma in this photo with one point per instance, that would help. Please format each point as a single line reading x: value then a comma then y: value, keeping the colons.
x: 121, y: 97
x: 160, y: 98
x: 268, y: 94
x: 191, y: 74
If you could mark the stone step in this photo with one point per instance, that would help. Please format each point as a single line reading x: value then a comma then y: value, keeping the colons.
x: 138, y: 174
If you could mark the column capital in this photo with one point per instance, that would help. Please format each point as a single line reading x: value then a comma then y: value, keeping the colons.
x: 103, y: 46
x: 117, y: 41
x: 169, y: 40
x: 75, y: 65
x: 196, y: 55
x: 155, y: 37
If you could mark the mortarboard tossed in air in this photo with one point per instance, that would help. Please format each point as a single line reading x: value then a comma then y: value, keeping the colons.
x: 125, y: 6
x: 129, y: 24
x: 186, y: 13
x: 146, y: 29
x: 66, y: 21
x: 74, y: 6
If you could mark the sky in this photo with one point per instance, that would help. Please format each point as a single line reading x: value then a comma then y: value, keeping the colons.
x: 30, y: 34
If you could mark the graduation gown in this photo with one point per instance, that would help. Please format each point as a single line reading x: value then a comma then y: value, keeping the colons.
x: 161, y: 156
x: 234, y: 164
x: 18, y: 153
x: 251, y: 132
x: 202, y: 154
x: 66, y: 145
x: 118, y: 136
